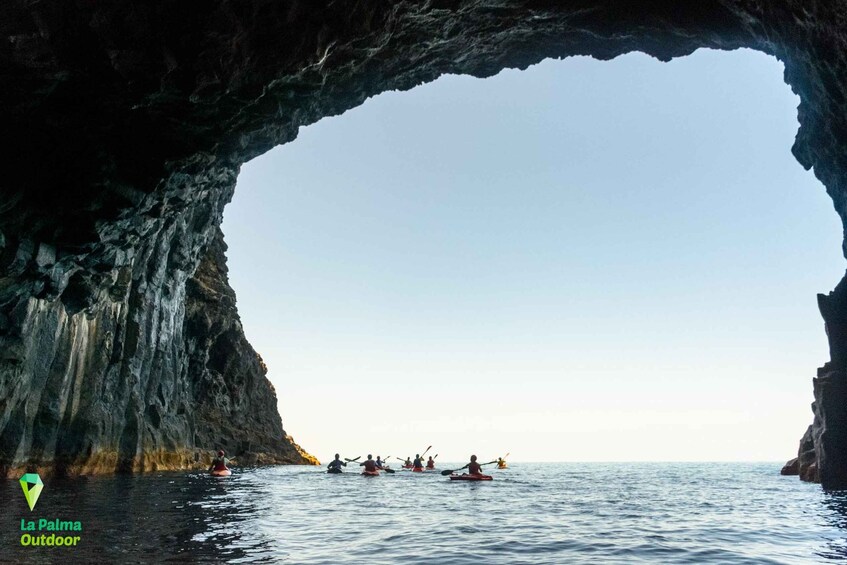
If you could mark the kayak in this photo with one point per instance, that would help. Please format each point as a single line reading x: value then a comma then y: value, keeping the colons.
x: 370, y: 473
x: 467, y: 477
x: 221, y: 473
x: 417, y: 470
x: 335, y: 471
x: 502, y: 467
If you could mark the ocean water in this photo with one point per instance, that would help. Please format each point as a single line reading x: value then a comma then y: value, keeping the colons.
x: 530, y: 513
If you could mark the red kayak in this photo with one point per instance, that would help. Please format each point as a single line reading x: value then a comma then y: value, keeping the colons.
x: 370, y: 473
x: 467, y: 477
x: 221, y: 473
x: 417, y: 470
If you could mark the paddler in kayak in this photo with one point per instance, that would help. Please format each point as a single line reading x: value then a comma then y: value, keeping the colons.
x: 335, y: 465
x: 219, y: 463
x: 501, y: 463
x: 379, y: 462
x: 430, y: 464
x: 407, y: 464
x: 417, y: 465
x: 474, y: 468
x: 370, y: 465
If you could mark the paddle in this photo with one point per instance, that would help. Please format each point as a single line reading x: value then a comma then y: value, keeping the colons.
x: 353, y: 460
x: 451, y: 471
x: 424, y: 453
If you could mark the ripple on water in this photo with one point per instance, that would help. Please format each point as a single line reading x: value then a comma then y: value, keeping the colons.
x: 532, y: 513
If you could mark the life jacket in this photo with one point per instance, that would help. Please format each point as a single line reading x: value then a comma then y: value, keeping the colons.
x: 370, y: 465
x: 418, y: 464
x: 430, y: 464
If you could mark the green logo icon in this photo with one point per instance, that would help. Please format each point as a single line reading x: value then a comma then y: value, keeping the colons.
x: 32, y: 485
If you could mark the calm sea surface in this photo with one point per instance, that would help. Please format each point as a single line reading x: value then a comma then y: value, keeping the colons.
x: 530, y: 513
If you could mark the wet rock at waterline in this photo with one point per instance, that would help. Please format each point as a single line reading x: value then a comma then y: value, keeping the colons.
x: 120, y: 347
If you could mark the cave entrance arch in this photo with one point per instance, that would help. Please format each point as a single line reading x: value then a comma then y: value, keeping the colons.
x: 133, y: 121
x: 293, y: 203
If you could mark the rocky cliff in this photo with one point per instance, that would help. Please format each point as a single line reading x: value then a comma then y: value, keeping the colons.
x: 126, y: 124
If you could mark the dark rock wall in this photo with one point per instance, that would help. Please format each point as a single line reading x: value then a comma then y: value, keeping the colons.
x: 127, y: 122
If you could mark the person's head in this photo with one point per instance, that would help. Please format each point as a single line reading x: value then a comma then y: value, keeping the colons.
x: 369, y: 456
x: 417, y: 456
x: 221, y: 453
x: 377, y: 456
x: 337, y: 456
x: 473, y: 458
x: 430, y: 457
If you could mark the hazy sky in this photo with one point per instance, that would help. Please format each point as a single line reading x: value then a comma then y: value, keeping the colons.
x: 582, y: 261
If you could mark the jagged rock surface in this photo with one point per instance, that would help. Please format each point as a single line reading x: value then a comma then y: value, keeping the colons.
x: 129, y: 122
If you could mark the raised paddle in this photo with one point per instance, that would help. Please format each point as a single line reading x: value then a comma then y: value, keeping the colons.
x: 424, y: 453
x: 353, y: 460
x: 451, y: 471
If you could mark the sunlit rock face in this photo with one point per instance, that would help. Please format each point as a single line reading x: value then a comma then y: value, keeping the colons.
x: 126, y: 124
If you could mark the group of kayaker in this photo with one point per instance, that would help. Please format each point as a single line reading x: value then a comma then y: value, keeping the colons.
x: 374, y: 466
x: 220, y: 464
x: 370, y: 465
x: 418, y: 463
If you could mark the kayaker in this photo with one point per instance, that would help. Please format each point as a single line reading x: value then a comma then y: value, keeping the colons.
x: 430, y: 464
x: 474, y: 468
x: 407, y: 464
x: 220, y: 462
x: 501, y: 463
x: 418, y: 464
x: 379, y: 462
x: 335, y: 464
x: 369, y: 465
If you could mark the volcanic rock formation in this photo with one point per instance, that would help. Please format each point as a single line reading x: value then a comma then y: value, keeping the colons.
x: 126, y: 124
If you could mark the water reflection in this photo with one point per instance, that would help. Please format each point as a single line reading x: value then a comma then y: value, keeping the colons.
x: 836, y: 502
x: 128, y: 518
